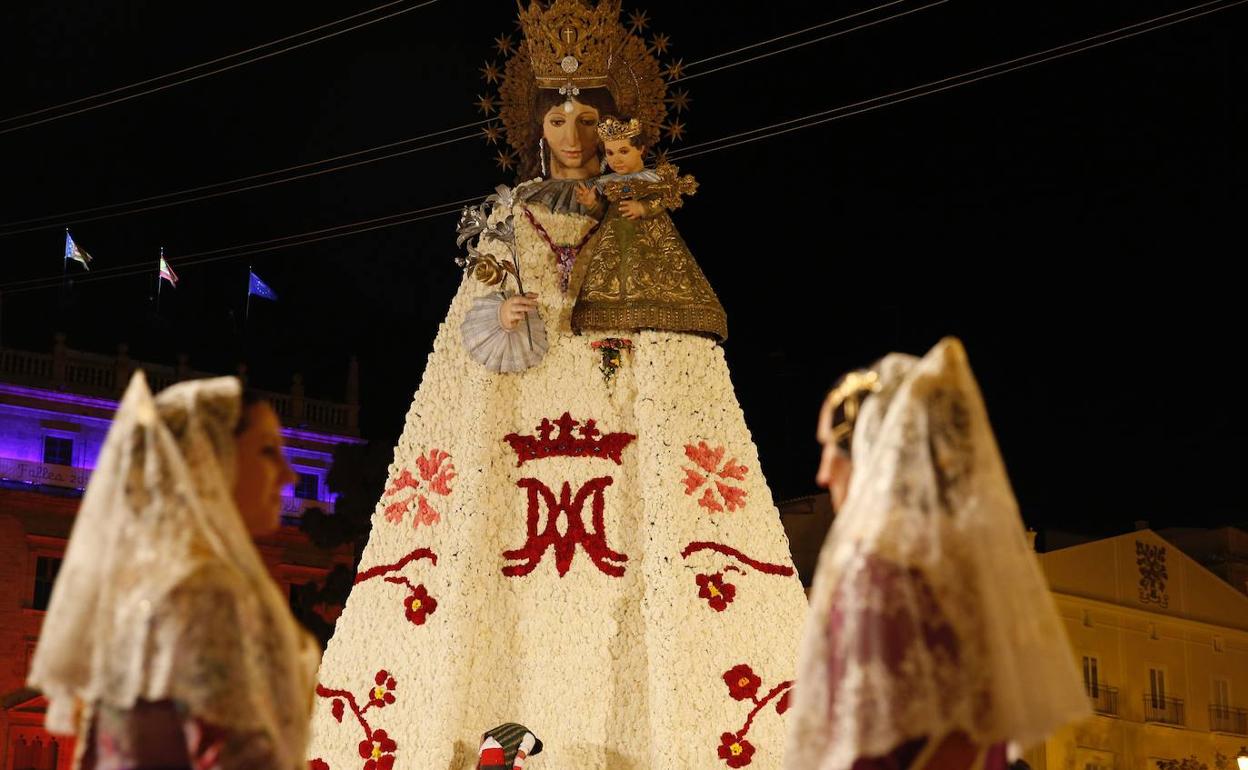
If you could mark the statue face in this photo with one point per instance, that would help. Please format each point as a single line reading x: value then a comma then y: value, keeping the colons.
x: 623, y: 157
x: 572, y: 138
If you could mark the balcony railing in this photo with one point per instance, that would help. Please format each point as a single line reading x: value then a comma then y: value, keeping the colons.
x: 1224, y: 719
x: 1164, y: 711
x: 293, y: 509
x: 1104, y: 698
x: 98, y: 375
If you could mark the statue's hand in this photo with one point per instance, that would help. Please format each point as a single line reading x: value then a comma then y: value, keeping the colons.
x: 514, y: 309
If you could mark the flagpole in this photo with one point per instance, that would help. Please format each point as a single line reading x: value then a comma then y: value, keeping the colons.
x: 65, y: 272
x: 159, y: 281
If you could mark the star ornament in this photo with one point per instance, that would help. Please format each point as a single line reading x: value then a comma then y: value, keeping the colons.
x: 679, y: 100
x: 504, y: 45
x: 486, y: 104
x: 675, y: 130
x: 660, y: 43
x: 491, y: 73
x: 675, y: 70
x: 638, y: 20
x: 492, y: 133
x: 506, y: 159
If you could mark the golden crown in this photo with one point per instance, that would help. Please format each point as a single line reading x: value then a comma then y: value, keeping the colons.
x: 611, y: 130
x: 570, y: 42
x: 847, y: 397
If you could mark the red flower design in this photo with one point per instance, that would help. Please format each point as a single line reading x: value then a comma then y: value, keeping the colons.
x: 383, y: 694
x: 737, y: 752
x: 709, y: 460
x: 717, y: 593
x: 380, y: 751
x: 784, y: 703
x: 419, y: 605
x: 338, y: 710
x: 742, y: 683
x: 318, y: 764
x: 435, y: 475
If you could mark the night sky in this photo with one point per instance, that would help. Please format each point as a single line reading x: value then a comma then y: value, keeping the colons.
x: 1073, y: 222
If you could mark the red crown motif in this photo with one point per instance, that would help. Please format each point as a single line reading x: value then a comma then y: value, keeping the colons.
x: 575, y: 439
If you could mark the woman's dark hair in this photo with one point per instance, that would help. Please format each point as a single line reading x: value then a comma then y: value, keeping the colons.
x: 246, y: 401
x: 546, y: 98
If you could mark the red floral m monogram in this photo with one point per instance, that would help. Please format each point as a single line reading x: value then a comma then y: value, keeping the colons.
x: 593, y: 539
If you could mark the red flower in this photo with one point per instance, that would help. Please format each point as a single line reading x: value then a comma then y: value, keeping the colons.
x: 737, y: 752
x: 708, y: 459
x: 339, y: 709
x: 742, y: 683
x: 783, y: 705
x: 383, y: 694
x: 318, y: 764
x: 433, y: 471
x: 379, y: 751
x: 717, y: 593
x: 420, y: 605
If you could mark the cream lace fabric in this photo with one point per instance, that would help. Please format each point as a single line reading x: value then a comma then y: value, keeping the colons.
x: 162, y: 594
x: 929, y: 612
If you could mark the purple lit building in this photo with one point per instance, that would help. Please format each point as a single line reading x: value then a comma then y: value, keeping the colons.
x: 55, y: 410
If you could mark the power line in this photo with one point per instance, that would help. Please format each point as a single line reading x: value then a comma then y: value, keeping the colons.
x: 953, y: 81
x: 37, y: 223
x: 787, y: 35
x: 819, y: 39
x: 258, y: 185
x: 73, y: 216
x: 217, y: 70
x: 723, y: 143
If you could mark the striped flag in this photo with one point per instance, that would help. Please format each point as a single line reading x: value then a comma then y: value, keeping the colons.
x: 72, y: 251
x: 166, y: 272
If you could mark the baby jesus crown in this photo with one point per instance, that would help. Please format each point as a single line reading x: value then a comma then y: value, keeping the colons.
x: 611, y: 129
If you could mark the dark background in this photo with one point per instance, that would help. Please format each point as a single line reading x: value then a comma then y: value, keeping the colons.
x: 1073, y: 222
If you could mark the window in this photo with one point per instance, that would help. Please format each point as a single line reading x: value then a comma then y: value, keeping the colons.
x: 1157, y: 687
x: 58, y: 450
x: 308, y: 487
x: 1222, y: 694
x: 1091, y: 678
x: 46, y: 568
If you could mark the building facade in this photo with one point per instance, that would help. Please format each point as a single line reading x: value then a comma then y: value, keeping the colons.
x: 55, y: 410
x: 1162, y: 644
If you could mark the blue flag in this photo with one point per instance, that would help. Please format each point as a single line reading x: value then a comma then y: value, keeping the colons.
x: 260, y: 289
x: 74, y: 252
